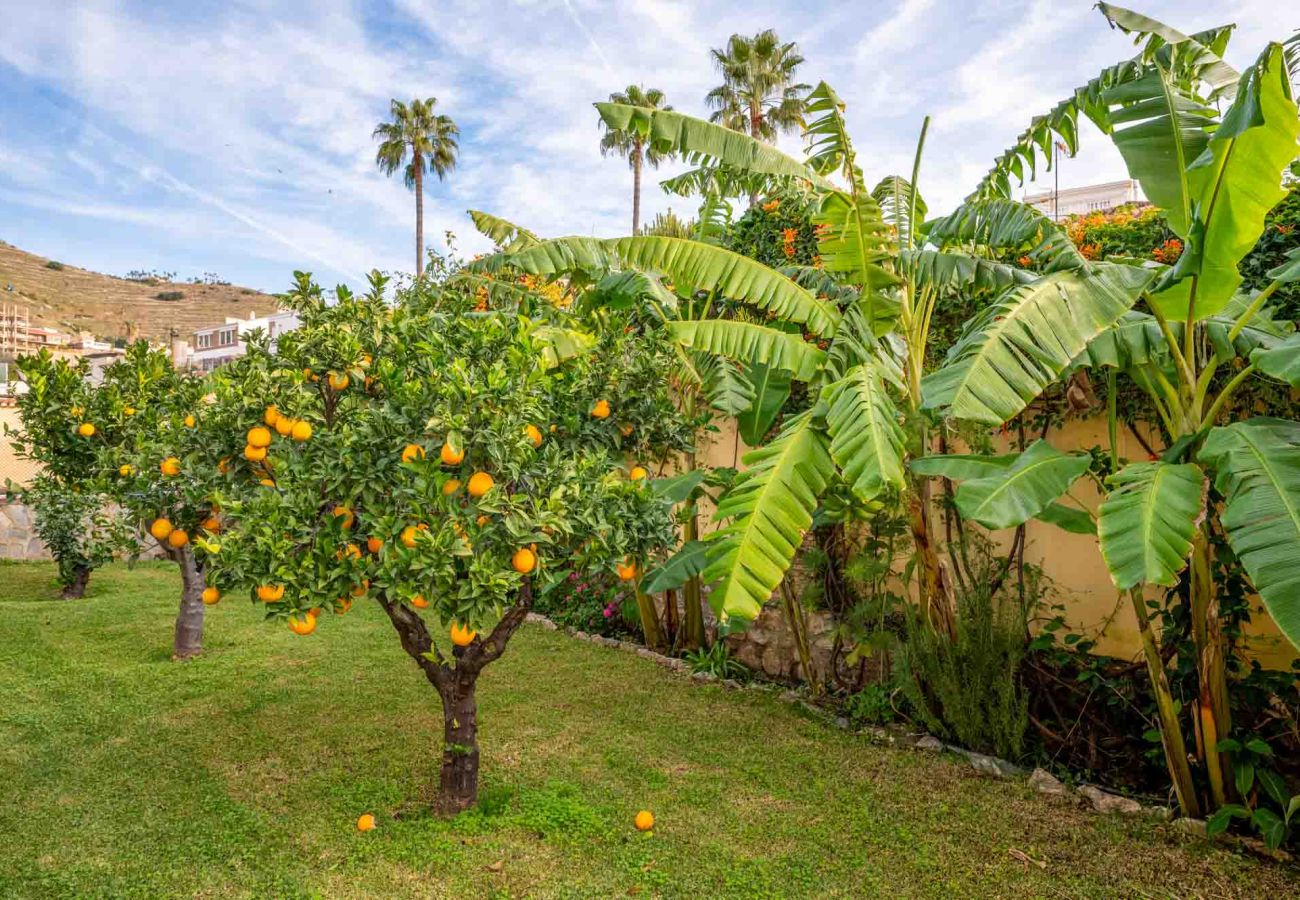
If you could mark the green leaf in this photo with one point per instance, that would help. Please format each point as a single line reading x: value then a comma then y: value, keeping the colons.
x: 727, y: 387
x: 557, y: 256
x: 558, y: 344
x: 1290, y: 270
x: 894, y: 194
x: 1146, y: 523
x: 1244, y: 777
x: 1023, y: 342
x: 675, y: 571
x: 771, y: 390
x: 960, y: 466
x: 695, y: 266
x: 1282, y: 362
x: 770, y: 507
x: 747, y: 342
x: 867, y: 441
x: 1068, y: 518
x: 1271, y: 827
x: 1273, y: 786
x: 1257, y: 469
x: 959, y: 273
x: 1021, y: 491
x: 700, y: 142
x: 1233, y: 184
x: 678, y: 487
x: 1007, y: 227
x: 506, y: 235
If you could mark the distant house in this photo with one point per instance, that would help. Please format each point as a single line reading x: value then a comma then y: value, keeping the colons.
x: 218, y: 344
x: 1078, y: 201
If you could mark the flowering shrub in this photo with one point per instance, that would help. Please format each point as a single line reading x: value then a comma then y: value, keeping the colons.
x: 593, y: 602
x: 777, y: 232
x: 1124, y: 231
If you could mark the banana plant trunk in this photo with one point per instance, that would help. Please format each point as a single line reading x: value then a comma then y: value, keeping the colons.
x: 188, y: 640
x: 692, y: 636
x: 650, y: 624
x: 936, y: 594
x: 1171, y: 733
x: 1215, y: 717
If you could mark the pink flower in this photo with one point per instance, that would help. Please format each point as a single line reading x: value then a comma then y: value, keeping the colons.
x: 609, y: 611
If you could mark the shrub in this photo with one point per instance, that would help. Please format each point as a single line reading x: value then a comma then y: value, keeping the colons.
x: 170, y: 295
x: 55, y: 265
x: 777, y: 232
x: 717, y: 661
x: 77, y: 528
x: 595, y: 602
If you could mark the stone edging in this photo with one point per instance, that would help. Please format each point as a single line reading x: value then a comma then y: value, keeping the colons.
x: 1044, y: 782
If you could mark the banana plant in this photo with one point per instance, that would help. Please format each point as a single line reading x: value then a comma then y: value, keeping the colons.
x: 1214, y: 177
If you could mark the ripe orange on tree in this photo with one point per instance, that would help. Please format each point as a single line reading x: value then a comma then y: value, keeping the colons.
x: 627, y: 570
x: 451, y: 487
x: 600, y: 410
x: 178, y: 538
x: 211, y: 595
x: 461, y: 634
x: 259, y: 436
x: 305, y: 625
x: 412, y: 452
x: 524, y: 560
x: 637, y: 473
x: 374, y: 544
x: 301, y: 431
x: 85, y: 429
x: 160, y: 528
x: 270, y: 593
x: 254, y: 454
x: 479, y: 484
x: 345, y: 513
x: 534, y: 434
x: 408, y: 536
x: 451, y: 456
x: 419, y: 602
x: 171, y: 466
x: 283, y: 425
x: 339, y: 381
x: 270, y: 416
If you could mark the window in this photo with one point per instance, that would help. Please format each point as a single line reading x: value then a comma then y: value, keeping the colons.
x: 203, y: 340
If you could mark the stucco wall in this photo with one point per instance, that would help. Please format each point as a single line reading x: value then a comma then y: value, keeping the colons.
x: 1071, y: 561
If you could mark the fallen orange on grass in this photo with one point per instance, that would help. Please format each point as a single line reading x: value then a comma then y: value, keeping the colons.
x: 125, y: 471
x: 366, y: 823
x: 190, y: 421
x: 600, y: 410
x: 644, y: 821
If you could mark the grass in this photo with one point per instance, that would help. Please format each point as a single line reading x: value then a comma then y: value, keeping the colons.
x: 241, y: 774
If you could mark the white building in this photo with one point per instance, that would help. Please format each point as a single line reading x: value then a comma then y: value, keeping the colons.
x: 1078, y: 201
x: 219, y: 344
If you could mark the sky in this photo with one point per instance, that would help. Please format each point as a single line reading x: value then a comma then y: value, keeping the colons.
x: 235, y: 136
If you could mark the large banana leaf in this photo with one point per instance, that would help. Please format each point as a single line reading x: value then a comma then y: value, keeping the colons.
x: 1257, y: 469
x: 894, y: 194
x: 703, y: 143
x: 867, y: 442
x: 628, y: 288
x: 675, y: 571
x: 1231, y: 186
x: 771, y: 389
x: 692, y: 265
x: 1282, y: 362
x: 553, y: 257
x: 506, y: 235
x: 729, y: 390
x: 959, y: 273
x: 1021, y: 491
x: 725, y: 181
x: 1067, y: 518
x: 1007, y: 226
x: 747, y: 342
x: 961, y: 466
x: 770, y: 507
x: 1200, y: 58
x: 1145, y: 524
x: 1023, y: 342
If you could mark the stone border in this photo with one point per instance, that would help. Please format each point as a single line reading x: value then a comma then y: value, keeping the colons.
x: 1097, y: 799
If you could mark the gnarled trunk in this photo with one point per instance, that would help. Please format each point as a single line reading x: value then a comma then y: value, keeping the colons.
x: 188, y: 641
x: 76, y: 588
x: 455, y: 680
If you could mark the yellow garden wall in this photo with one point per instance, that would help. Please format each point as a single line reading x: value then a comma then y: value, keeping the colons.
x: 1071, y: 561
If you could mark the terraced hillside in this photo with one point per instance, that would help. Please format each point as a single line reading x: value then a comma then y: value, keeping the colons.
x: 70, y: 299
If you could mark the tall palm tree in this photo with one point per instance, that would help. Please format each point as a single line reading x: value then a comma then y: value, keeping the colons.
x: 758, y: 95
x: 430, y: 142
x: 631, y: 144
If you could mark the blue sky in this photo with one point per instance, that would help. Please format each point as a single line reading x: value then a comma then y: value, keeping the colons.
x: 234, y: 136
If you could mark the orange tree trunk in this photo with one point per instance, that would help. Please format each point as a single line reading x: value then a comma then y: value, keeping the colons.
x: 456, y: 679
x: 188, y: 640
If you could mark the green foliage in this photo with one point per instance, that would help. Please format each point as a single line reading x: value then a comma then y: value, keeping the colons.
x: 718, y: 662
x: 77, y: 527
x: 969, y: 688
x: 873, y: 705
x: 777, y: 231
x: 170, y: 295
x: 55, y: 265
x: 594, y: 602
x: 1268, y: 806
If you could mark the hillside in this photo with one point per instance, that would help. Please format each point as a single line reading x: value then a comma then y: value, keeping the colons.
x: 73, y: 300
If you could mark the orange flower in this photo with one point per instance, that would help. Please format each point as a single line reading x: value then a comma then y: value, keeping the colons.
x: 1285, y: 229
x: 1169, y: 251
x: 1024, y: 261
x: 771, y: 205
x: 789, y: 234
x: 1090, y: 251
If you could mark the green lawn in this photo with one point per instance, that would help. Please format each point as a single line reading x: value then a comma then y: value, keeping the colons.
x: 242, y: 773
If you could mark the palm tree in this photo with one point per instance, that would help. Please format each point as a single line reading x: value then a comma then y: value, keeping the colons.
x: 757, y: 96
x: 430, y: 141
x: 633, y: 145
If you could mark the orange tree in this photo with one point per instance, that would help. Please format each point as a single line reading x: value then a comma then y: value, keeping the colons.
x: 449, y: 463
x: 164, y: 457
x: 62, y: 429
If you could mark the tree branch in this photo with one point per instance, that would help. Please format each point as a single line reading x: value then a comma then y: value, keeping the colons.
x: 480, y: 653
x: 416, y: 641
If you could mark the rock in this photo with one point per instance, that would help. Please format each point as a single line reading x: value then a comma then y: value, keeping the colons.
x: 991, y: 765
x: 703, y: 676
x: 732, y: 684
x: 929, y: 742
x: 1045, y: 783
x: 1194, y: 827
x: 538, y: 619
x: 629, y: 646
x: 841, y: 722
x: 582, y: 635
x: 647, y: 653
x: 789, y: 697
x: 1105, y: 802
